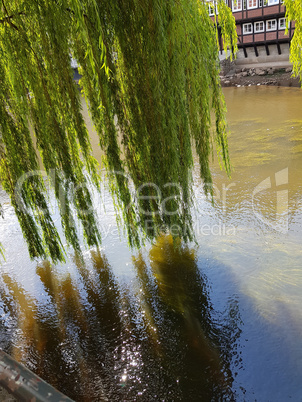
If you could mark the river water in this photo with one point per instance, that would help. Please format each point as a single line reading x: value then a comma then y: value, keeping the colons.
x: 217, y: 320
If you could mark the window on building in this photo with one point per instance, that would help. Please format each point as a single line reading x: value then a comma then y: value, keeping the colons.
x: 236, y: 5
x: 211, y: 9
x: 259, y: 26
x: 271, y: 25
x: 212, y: 6
x: 272, y: 2
x: 263, y: 3
x: 282, y: 23
x: 247, y: 28
x: 244, y: 5
x: 252, y: 3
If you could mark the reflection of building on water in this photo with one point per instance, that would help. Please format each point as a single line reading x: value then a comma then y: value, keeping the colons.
x: 94, y: 337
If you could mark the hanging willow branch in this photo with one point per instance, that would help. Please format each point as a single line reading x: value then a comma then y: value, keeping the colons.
x: 294, y: 13
x: 150, y: 76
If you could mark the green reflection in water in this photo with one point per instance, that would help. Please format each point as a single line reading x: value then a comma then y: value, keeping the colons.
x: 95, y: 338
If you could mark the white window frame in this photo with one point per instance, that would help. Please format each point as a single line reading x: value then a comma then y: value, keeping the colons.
x: 250, y: 8
x: 279, y: 23
x: 212, y: 5
x: 235, y: 4
x: 211, y: 10
x: 271, y: 29
x: 272, y: 2
x: 259, y: 30
x: 247, y: 32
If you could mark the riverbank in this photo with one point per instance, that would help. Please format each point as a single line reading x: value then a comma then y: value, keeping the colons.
x: 245, y: 76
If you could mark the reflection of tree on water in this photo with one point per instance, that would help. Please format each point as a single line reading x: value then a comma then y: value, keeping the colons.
x: 153, y: 340
x: 194, y: 353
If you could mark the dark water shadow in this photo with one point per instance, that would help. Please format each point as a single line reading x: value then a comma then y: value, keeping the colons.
x: 195, y: 351
x: 154, y: 338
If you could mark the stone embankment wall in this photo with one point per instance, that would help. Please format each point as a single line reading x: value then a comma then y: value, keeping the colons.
x: 262, y: 59
x: 274, y: 69
x: 234, y: 75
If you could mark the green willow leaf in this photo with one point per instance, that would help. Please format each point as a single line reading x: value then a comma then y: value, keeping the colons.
x: 294, y: 13
x: 150, y: 77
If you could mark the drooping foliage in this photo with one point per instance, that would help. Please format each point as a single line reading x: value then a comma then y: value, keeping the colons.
x: 150, y: 76
x: 226, y: 21
x: 294, y: 13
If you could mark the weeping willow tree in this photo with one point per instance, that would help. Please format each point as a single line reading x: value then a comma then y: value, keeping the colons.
x: 294, y: 13
x: 150, y: 77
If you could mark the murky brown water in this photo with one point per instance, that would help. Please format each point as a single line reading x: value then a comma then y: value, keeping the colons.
x: 221, y: 320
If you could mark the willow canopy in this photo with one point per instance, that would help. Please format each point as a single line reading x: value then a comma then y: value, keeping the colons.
x: 150, y: 77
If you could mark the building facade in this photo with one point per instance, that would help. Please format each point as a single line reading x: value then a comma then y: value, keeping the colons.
x: 261, y: 27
